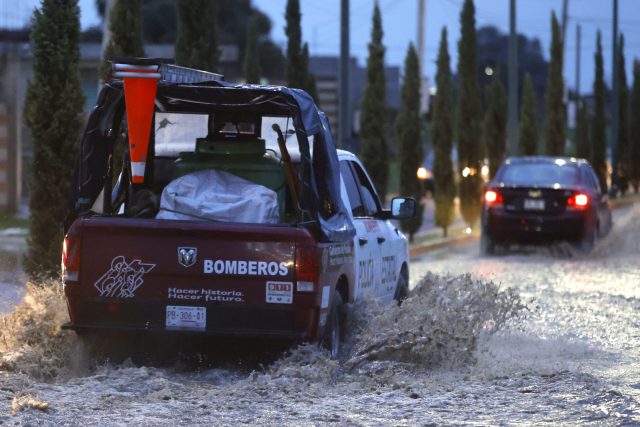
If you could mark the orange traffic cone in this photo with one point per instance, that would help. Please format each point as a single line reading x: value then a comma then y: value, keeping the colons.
x: 139, y: 97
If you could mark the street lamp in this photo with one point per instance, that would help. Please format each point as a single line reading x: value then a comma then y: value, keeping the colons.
x: 422, y: 173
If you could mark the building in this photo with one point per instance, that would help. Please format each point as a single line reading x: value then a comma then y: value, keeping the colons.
x: 327, y: 69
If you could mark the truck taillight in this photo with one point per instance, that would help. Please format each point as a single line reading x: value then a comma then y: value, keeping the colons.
x: 307, y: 268
x: 70, y: 259
x: 578, y: 201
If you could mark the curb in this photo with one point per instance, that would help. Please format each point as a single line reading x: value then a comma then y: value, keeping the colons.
x: 620, y: 203
x: 424, y: 248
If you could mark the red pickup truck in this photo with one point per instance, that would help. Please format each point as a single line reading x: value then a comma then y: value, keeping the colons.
x: 208, y: 207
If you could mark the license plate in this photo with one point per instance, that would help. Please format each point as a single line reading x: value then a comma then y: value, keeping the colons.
x: 182, y: 317
x: 279, y: 292
x: 534, y: 204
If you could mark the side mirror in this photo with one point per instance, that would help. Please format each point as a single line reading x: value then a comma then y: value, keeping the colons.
x: 403, y: 207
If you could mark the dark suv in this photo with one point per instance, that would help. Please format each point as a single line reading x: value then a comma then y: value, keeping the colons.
x: 539, y: 199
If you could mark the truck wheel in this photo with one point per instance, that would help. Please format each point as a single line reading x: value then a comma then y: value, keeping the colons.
x: 402, y: 289
x: 334, y: 331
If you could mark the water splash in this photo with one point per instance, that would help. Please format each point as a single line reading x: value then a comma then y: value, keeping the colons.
x: 31, y: 340
x: 439, y: 324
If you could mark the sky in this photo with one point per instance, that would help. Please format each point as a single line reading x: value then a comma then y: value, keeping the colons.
x: 321, y: 27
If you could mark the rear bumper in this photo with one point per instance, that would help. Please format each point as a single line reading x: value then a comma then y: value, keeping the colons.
x: 505, y: 226
x: 279, y: 321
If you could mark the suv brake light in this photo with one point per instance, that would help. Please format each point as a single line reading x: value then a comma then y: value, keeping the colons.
x: 307, y: 268
x: 70, y: 259
x: 492, y: 198
x: 578, y: 201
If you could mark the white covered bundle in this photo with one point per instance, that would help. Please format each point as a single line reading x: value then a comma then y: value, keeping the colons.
x: 219, y: 196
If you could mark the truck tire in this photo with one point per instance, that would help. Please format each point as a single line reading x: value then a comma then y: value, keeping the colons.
x: 402, y: 289
x: 334, y: 331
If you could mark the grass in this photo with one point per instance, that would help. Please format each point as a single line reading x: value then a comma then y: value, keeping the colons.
x: 10, y: 221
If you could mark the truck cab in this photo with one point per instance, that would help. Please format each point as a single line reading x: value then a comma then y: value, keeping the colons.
x: 381, y: 250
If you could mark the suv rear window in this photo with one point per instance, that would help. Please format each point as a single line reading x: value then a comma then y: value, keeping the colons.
x: 541, y: 174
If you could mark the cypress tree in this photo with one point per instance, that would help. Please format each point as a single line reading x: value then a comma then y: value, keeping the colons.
x: 598, y: 135
x: 409, y: 140
x: 125, y: 25
x: 373, y: 144
x: 470, y: 150
x: 442, y: 139
x: 495, y: 124
x: 583, y: 145
x: 554, y: 127
x: 251, y: 54
x: 296, y: 70
x: 528, y: 132
x: 197, y: 39
x: 624, y: 157
x: 634, y: 129
x: 53, y: 112
x: 310, y: 85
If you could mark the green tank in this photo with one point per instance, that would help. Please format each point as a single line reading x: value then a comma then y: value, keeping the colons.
x: 246, y: 159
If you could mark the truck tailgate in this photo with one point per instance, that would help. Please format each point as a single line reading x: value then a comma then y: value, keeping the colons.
x: 133, y: 272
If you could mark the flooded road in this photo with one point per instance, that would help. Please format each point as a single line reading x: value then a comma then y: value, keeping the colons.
x: 534, y: 336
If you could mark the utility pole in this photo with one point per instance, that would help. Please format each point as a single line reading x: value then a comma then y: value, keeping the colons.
x: 424, y: 89
x: 578, y: 37
x: 565, y: 6
x: 512, y: 120
x: 420, y: 35
x: 344, y: 126
x: 614, y: 108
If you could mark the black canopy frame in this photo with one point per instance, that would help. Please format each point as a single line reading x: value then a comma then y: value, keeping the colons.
x: 320, y: 202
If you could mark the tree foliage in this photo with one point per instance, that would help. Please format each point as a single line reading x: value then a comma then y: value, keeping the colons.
x: 442, y: 139
x: 583, y: 145
x: 409, y: 139
x: 296, y: 75
x: 53, y: 112
x: 297, y: 72
x: 251, y: 58
x: 493, y: 52
x: 160, y: 26
x: 125, y: 26
x: 624, y: 157
x: 598, y: 132
x: 373, y: 144
x: 197, y: 39
x: 554, y: 127
x: 634, y: 129
x: 160, y: 23
x: 528, y: 132
x: 495, y: 124
x: 310, y: 78
x: 470, y: 149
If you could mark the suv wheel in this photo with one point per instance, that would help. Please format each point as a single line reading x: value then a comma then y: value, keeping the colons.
x: 588, y: 240
x: 487, y: 245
